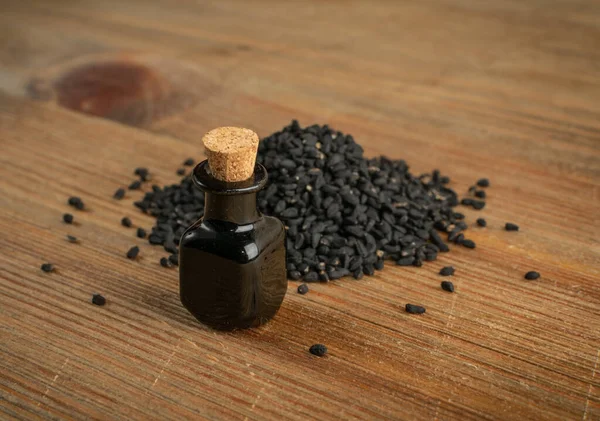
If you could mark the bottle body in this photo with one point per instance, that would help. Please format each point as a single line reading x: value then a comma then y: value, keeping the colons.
x: 232, y: 263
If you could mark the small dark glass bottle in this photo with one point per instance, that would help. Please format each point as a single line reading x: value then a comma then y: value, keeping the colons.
x: 232, y: 261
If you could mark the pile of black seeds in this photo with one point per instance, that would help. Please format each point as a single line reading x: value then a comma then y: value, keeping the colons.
x: 344, y: 213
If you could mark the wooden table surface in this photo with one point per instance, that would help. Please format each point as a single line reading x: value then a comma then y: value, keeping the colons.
x: 508, y: 89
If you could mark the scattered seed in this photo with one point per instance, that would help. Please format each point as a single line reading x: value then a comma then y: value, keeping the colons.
x: 174, y: 259
x: 477, y: 204
x: 189, y: 162
x: 302, y: 289
x: 71, y: 239
x: 165, y: 262
x: 448, y: 286
x: 481, y: 222
x: 76, y: 202
x: 414, y: 309
x: 511, y: 227
x: 142, y: 173
x: 447, y: 271
x: 480, y: 194
x: 68, y: 218
x: 98, y: 300
x: 532, y: 275
x: 483, y: 182
x: 156, y: 239
x: 135, y: 185
x: 459, y: 238
x: 47, y: 267
x: 133, y: 252
x: 318, y: 349
x: 119, y: 194
x: 468, y: 244
x: 126, y: 222
x: 141, y: 233
x: 181, y: 171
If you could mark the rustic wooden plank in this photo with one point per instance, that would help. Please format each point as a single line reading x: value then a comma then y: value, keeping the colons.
x: 508, y: 90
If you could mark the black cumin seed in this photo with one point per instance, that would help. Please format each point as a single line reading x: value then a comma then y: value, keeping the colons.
x: 414, y: 309
x: 133, y: 252
x: 478, y: 204
x: 119, y: 194
x: 142, y: 173
x: 126, y: 222
x: 294, y: 275
x: 311, y: 277
x: 447, y: 271
x: 165, y: 262
x: 141, y: 233
x: 71, y: 239
x: 318, y: 349
x: 47, y: 267
x: 156, y: 239
x: 302, y: 289
x: 448, y: 286
x: 76, y: 202
x: 174, y: 259
x: 483, y: 182
x: 68, y: 218
x: 405, y: 261
x: 170, y: 247
x: 437, y: 240
x: 98, y: 300
x: 189, y: 162
x: 532, y: 275
x: 480, y: 194
x: 511, y: 227
x: 468, y: 244
x: 459, y: 238
x: 290, y: 213
x: 453, y: 235
x: 135, y: 185
x: 481, y: 222
x: 181, y: 171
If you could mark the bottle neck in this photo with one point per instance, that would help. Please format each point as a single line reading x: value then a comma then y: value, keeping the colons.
x: 240, y: 209
x: 232, y: 202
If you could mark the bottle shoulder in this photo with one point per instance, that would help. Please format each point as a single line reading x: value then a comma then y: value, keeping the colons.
x: 242, y: 243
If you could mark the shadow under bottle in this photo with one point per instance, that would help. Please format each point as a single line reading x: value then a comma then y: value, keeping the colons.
x: 232, y: 261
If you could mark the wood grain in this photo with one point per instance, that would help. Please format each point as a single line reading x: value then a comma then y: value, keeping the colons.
x: 507, y: 89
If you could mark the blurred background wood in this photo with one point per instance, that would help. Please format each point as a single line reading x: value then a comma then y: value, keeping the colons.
x: 508, y: 89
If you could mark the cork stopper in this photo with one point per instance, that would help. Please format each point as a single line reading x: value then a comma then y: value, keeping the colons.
x: 231, y: 153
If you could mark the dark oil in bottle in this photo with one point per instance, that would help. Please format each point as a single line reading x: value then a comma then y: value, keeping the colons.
x: 232, y: 261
